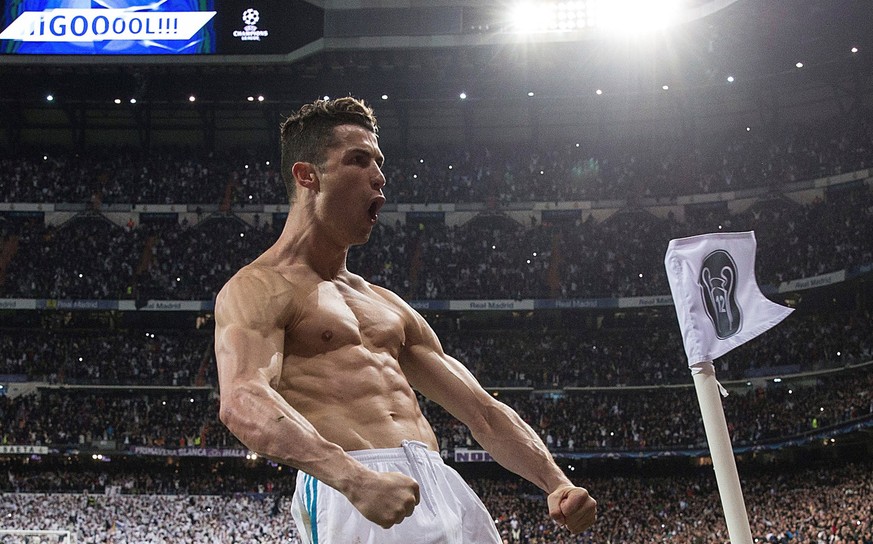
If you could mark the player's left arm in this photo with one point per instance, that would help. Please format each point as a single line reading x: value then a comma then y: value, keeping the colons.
x: 494, y: 425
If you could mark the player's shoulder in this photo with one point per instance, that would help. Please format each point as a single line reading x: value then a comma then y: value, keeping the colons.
x: 256, y: 280
x: 258, y: 287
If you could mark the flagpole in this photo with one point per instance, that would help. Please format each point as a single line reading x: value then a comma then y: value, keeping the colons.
x: 726, y: 476
x: 719, y: 307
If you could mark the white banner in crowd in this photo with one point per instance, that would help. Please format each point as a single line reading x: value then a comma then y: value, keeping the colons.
x: 718, y: 302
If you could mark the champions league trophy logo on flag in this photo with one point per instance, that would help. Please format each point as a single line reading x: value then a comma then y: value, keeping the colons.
x: 718, y: 277
x: 719, y: 307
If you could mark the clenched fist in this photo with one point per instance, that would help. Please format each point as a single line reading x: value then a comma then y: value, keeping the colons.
x: 573, y: 508
x: 385, y: 498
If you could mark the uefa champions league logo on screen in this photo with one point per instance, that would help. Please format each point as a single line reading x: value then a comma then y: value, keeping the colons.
x: 250, y: 32
x: 251, y: 17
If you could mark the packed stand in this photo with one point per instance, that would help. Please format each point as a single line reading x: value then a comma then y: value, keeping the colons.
x: 810, y: 505
x: 136, y: 357
x: 587, y: 420
x: 490, y: 257
x: 633, y: 420
x: 535, y: 356
x: 500, y: 173
x: 118, y: 176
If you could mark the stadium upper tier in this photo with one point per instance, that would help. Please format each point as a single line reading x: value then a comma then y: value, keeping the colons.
x: 498, y: 174
x: 491, y: 256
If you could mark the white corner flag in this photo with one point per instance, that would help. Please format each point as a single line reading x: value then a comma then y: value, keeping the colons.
x: 719, y: 307
x: 717, y: 299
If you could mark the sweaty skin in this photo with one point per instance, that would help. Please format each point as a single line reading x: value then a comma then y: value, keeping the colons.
x: 314, y: 361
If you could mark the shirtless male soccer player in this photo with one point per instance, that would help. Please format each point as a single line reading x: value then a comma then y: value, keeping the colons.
x: 317, y: 367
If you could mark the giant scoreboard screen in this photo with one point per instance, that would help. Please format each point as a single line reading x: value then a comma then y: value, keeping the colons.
x: 160, y: 27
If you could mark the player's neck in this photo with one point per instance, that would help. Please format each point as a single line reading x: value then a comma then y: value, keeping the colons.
x: 303, y: 241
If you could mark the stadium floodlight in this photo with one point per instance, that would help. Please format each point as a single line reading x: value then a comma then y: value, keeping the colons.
x: 624, y: 16
x: 634, y: 16
x: 611, y: 17
x: 549, y: 16
x: 530, y: 17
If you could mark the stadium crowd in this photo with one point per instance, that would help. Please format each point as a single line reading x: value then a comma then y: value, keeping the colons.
x: 588, y: 420
x: 490, y: 257
x: 802, y: 505
x: 91, y: 258
x: 558, y: 171
x: 537, y: 356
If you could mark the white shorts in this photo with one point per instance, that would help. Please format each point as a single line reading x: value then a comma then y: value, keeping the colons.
x: 449, y: 511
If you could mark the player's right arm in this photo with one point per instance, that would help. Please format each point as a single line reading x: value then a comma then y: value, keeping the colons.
x: 250, y: 315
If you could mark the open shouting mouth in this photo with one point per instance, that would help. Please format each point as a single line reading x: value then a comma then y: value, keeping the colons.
x: 375, y: 205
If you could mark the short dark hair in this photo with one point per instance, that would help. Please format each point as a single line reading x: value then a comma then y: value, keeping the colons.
x: 307, y: 134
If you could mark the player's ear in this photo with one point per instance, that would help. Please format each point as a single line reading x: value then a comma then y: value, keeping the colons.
x: 305, y: 175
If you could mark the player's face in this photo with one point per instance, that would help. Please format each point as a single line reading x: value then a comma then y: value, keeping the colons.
x: 350, y: 184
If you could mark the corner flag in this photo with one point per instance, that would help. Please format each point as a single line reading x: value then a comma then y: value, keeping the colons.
x: 718, y: 302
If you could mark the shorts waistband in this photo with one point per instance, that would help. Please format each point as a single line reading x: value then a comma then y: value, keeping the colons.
x: 395, y: 454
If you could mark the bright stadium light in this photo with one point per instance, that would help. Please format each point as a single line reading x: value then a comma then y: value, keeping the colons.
x: 634, y: 16
x: 560, y: 16
x: 615, y: 16
x: 531, y: 17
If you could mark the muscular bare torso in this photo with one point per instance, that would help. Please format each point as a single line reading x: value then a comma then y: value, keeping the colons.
x: 341, y: 367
